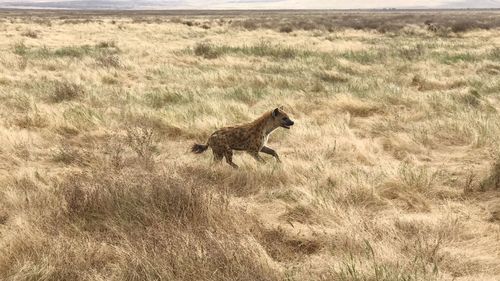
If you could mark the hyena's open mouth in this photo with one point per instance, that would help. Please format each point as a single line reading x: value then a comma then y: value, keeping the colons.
x: 288, y: 124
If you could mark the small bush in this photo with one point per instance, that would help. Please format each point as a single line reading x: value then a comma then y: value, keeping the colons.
x: 22, y: 63
x: 495, y: 54
x: 32, y: 121
x: 417, y: 178
x: 109, y: 61
x: 492, y: 181
x: 30, y: 33
x: 20, y: 49
x: 473, y: 98
x: 68, y: 155
x: 249, y: 25
x: 64, y: 91
x: 206, y: 50
x: 141, y: 139
x: 43, y: 21
x: 286, y: 29
x: 468, y: 25
x: 110, y: 80
x: 106, y: 44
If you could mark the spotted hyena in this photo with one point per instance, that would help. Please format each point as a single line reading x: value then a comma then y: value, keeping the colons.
x: 251, y: 137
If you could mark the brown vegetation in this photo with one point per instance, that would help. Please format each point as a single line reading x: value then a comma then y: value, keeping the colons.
x: 391, y: 171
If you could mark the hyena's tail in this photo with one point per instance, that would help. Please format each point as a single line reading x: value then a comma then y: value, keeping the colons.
x: 199, y: 148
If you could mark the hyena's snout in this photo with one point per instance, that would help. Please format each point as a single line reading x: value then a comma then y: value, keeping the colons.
x: 287, y: 123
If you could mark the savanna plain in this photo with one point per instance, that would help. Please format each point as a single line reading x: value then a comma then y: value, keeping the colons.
x: 391, y: 171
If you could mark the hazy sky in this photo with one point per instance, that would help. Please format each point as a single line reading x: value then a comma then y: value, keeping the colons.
x: 276, y: 4
x: 344, y: 4
x: 318, y: 4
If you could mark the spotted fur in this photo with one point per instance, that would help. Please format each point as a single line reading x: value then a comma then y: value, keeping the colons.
x: 251, y: 137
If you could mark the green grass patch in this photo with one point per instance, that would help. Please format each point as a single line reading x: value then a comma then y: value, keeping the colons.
x: 248, y: 96
x: 160, y: 98
x: 262, y: 49
x: 494, y: 54
x: 82, y: 117
x: 364, y: 57
x: 455, y: 58
x: 44, y: 52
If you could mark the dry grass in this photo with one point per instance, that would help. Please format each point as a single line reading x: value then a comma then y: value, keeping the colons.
x: 391, y: 172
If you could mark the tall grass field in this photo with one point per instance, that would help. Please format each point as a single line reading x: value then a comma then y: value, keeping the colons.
x: 391, y: 172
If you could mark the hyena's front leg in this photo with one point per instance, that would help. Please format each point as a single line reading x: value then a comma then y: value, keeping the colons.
x: 256, y: 156
x: 270, y: 151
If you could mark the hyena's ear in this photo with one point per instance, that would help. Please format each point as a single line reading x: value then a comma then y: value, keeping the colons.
x: 276, y: 112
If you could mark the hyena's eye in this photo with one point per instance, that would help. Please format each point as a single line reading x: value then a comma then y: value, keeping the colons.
x: 284, y: 118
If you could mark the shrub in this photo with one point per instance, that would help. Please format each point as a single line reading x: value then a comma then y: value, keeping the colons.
x: 206, y: 50
x: 109, y: 61
x: 249, y: 25
x: 43, y: 21
x: 417, y: 178
x: 67, y: 155
x: 141, y: 139
x: 106, y: 44
x: 468, y: 25
x: 20, y: 49
x: 495, y: 54
x: 64, y: 91
x: 30, y: 33
x: 32, y: 121
x: 286, y: 29
x: 493, y: 179
x: 22, y: 63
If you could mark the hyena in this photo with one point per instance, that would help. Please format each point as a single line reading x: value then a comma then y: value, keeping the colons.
x: 251, y: 137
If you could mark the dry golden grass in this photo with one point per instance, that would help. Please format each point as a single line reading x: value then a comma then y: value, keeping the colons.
x: 391, y: 172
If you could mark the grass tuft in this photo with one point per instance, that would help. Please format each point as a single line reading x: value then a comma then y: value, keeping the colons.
x: 66, y: 91
x: 30, y: 33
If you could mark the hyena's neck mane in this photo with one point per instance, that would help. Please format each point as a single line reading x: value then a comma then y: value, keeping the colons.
x: 265, y: 123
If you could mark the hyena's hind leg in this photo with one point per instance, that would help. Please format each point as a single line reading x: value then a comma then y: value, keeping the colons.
x: 218, y: 155
x: 228, y: 153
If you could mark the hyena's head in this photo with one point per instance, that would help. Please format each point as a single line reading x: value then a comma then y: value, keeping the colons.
x: 281, y: 119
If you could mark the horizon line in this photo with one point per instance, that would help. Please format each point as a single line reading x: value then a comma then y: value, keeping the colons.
x: 35, y: 8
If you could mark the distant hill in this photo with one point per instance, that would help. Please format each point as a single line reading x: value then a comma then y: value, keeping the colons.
x: 96, y: 4
x: 182, y: 4
x: 472, y: 4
